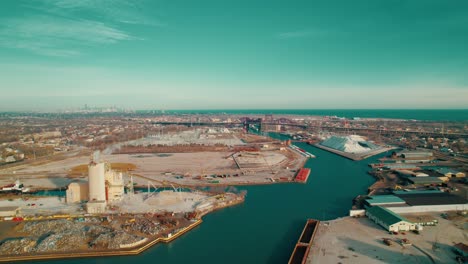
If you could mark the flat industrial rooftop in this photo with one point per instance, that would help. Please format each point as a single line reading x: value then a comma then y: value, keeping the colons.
x: 431, y: 199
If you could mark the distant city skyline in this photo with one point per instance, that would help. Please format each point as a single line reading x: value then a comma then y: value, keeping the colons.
x: 208, y: 54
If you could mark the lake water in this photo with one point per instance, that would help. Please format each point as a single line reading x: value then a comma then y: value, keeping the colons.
x: 423, y: 114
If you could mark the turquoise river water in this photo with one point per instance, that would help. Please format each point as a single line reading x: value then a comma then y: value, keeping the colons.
x: 266, y: 227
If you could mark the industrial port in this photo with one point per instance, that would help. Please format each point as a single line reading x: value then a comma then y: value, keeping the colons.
x: 233, y: 132
x: 122, y: 197
x: 415, y: 212
x: 101, y: 191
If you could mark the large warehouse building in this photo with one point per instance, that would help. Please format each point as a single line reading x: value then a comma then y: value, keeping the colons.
x: 419, y: 201
x: 389, y: 220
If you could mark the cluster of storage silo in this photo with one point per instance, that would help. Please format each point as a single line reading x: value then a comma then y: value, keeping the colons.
x: 104, y: 186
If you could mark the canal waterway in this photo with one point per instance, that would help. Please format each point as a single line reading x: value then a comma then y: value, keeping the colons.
x: 266, y: 227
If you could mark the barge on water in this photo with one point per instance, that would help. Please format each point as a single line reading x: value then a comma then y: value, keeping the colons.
x: 302, y: 248
x: 302, y: 152
x: 302, y: 175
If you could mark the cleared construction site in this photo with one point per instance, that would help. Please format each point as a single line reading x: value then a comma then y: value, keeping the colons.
x: 188, y: 158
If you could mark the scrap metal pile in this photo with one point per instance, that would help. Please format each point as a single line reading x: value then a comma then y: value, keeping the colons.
x: 67, y: 235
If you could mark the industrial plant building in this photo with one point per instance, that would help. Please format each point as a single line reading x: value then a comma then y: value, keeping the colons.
x: 381, y: 200
x: 450, y: 173
x: 416, y: 154
x: 104, y: 186
x: 409, y: 173
x: 77, y: 192
x: 425, y: 180
x: 400, y: 166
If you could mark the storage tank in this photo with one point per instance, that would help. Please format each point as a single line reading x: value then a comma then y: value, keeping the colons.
x: 97, y: 184
x: 73, y: 193
x: 77, y: 192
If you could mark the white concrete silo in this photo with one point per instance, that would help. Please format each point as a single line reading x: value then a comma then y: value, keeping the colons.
x: 97, y: 183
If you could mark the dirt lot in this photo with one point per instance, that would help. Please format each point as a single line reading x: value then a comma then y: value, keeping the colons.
x: 178, y: 168
x: 42, y: 206
x: 82, y: 169
x: 336, y: 242
x: 207, y: 167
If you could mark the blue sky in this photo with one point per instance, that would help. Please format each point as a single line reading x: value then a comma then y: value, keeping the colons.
x: 212, y: 54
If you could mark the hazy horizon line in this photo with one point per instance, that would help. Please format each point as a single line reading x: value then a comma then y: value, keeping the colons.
x: 240, y: 109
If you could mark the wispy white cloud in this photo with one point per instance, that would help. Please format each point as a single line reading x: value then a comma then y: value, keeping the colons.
x: 56, y: 36
x: 123, y: 11
x: 65, y: 28
x: 42, y: 47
